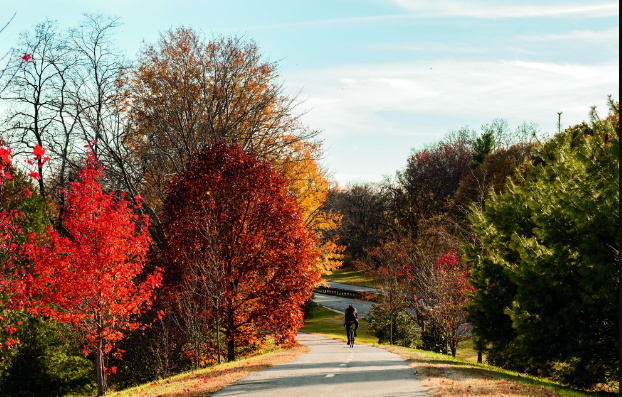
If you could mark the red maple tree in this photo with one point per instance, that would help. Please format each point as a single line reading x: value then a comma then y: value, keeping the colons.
x: 11, y: 276
x: 233, y: 226
x: 89, y: 279
x: 440, y: 296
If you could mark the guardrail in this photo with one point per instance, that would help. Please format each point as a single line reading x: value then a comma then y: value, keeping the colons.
x: 344, y: 293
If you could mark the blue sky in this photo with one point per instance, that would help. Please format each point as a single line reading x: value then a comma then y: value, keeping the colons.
x: 380, y: 77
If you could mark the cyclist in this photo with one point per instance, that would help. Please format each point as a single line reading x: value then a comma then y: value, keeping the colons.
x: 351, y: 317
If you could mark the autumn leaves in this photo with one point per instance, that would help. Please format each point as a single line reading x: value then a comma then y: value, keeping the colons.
x: 228, y: 241
x: 236, y: 236
x: 88, y: 278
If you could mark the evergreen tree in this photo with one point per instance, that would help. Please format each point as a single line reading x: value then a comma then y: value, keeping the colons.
x: 547, y: 282
x: 482, y: 147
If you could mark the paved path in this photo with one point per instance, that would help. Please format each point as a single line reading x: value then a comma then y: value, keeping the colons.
x: 332, y: 369
x: 340, y: 304
x: 349, y: 287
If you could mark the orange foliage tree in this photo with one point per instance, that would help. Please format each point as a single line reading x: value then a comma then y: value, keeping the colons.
x: 89, y: 279
x: 231, y: 222
x: 187, y: 93
x: 308, y: 184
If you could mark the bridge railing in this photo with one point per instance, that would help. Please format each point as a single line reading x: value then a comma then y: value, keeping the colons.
x: 344, y: 293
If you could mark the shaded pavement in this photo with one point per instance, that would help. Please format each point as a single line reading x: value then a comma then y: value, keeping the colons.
x: 349, y: 287
x: 332, y: 369
x: 340, y: 304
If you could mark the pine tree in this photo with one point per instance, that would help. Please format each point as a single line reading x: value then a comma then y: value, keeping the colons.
x: 482, y: 147
x: 547, y: 285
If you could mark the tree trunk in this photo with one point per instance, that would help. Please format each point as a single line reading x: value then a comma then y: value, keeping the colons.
x: 479, y: 357
x: 218, y: 336
x: 453, y: 351
x: 391, y: 334
x: 99, y: 370
x: 230, y: 339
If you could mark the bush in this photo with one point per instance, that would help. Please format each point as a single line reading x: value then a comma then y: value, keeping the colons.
x: 310, y: 307
x: 404, y: 331
x: 45, y: 364
x: 432, y: 339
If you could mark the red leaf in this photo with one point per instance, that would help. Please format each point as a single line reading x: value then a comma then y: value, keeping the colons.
x: 38, y: 151
x: 45, y: 160
x: 27, y: 192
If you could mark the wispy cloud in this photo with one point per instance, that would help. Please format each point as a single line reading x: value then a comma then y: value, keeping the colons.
x: 347, y: 96
x: 490, y: 9
x: 585, y: 35
x: 388, y: 109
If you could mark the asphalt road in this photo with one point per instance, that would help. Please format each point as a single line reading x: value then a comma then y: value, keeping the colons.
x: 349, y: 287
x: 340, y: 304
x: 332, y: 369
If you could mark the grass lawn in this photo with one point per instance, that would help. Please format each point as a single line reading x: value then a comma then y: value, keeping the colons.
x: 447, y: 376
x: 466, y: 351
x: 444, y: 375
x: 206, y: 381
x: 350, y: 276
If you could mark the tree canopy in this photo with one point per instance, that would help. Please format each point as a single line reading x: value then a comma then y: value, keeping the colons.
x: 232, y: 223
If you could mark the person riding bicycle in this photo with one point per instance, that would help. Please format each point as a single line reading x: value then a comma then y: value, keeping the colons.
x: 351, y: 317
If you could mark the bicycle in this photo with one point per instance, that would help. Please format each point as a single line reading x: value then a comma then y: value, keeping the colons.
x: 350, y: 332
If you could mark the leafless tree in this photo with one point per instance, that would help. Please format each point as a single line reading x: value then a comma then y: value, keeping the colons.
x: 8, y: 71
x: 31, y: 93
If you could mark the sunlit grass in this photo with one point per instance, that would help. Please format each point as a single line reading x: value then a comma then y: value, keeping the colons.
x: 205, y: 381
x: 350, y: 276
x: 448, y: 376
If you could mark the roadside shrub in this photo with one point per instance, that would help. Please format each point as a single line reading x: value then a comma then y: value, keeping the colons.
x: 45, y: 364
x: 404, y: 331
x: 310, y: 307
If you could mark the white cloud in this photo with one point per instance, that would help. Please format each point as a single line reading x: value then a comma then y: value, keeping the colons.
x: 387, y: 109
x: 586, y: 35
x: 347, y: 96
x: 508, y: 9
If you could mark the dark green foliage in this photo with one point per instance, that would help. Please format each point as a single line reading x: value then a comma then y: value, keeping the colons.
x: 547, y: 283
x: 405, y: 332
x: 45, y: 363
x: 482, y: 147
x: 33, y: 208
x: 309, y: 308
x: 433, y: 340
